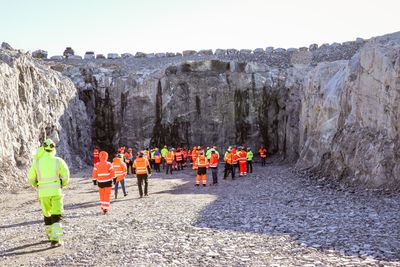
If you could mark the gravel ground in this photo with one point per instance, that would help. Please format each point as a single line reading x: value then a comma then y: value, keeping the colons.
x: 273, y: 217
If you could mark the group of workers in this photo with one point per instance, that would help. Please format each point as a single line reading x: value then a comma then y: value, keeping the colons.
x: 49, y: 174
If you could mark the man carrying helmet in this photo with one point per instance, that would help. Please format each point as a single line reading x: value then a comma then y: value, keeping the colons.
x: 141, y: 168
x: 49, y: 174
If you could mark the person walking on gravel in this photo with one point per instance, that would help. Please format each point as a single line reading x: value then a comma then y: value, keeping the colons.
x: 263, y: 155
x: 141, y: 168
x: 249, y: 160
x: 120, y: 171
x: 103, y: 173
x: 214, y: 160
x: 202, y: 166
x: 228, y: 164
x: 169, y: 159
x: 49, y: 174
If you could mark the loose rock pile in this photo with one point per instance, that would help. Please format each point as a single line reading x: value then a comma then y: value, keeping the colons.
x: 270, y: 218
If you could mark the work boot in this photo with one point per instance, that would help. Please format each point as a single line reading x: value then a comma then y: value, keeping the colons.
x: 204, y: 185
x: 196, y: 185
x: 146, y: 195
x: 125, y: 194
x: 55, y: 244
x: 104, y: 211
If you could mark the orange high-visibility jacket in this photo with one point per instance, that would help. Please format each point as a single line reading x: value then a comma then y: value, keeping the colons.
x: 178, y: 156
x: 141, y: 165
x: 214, y: 160
x: 262, y: 152
x: 146, y: 155
x: 95, y: 153
x: 119, y: 168
x: 229, y: 158
x: 242, y: 156
x: 235, y: 157
x: 169, y: 157
x: 103, y: 171
x: 202, y: 161
x: 157, y: 158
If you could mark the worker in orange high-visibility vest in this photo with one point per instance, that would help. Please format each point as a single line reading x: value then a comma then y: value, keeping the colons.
x: 141, y: 168
x: 104, y: 172
x: 157, y: 160
x: 242, y: 162
x: 169, y: 159
x: 214, y: 160
x: 263, y: 155
x: 96, y: 155
x: 202, y: 166
x: 228, y: 158
x: 120, y: 170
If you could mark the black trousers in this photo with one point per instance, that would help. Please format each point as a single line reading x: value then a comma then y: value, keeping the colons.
x: 229, y: 169
x: 129, y: 165
x: 262, y: 161
x: 142, y: 178
x: 179, y: 163
x: 157, y: 167
x: 250, y: 166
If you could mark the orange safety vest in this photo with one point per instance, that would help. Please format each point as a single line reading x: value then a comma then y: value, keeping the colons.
x: 178, y: 156
x: 103, y: 171
x: 169, y: 157
x: 242, y: 157
x: 119, y: 169
x: 140, y: 165
x: 229, y: 158
x: 202, y: 161
x: 214, y: 160
x: 96, y: 153
x: 263, y: 152
x: 235, y: 158
x: 157, y: 158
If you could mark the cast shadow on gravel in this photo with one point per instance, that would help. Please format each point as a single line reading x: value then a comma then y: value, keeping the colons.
x: 20, y: 224
x: 17, y: 250
x: 321, y: 223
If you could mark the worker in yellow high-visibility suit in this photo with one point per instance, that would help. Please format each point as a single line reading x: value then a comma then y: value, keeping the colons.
x: 49, y: 174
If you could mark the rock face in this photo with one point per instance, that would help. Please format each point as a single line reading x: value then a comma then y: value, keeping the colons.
x: 350, y: 115
x: 331, y: 109
x: 37, y: 102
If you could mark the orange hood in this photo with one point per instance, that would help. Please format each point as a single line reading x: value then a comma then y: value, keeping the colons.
x: 103, y: 156
x: 117, y: 160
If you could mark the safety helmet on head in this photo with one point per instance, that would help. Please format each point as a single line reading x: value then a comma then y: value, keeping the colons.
x: 48, y: 145
x: 248, y: 149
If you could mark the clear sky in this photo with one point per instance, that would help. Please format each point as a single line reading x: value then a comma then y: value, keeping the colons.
x: 120, y: 26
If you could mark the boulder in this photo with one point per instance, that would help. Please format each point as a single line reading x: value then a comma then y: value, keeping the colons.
x: 40, y: 54
x: 205, y: 52
x: 313, y: 47
x: 160, y: 55
x: 189, y: 53
x: 220, y: 52
x: 126, y: 55
x: 245, y: 51
x: 68, y: 52
x: 100, y: 56
x: 232, y: 51
x: 89, y: 55
x: 140, y: 54
x: 112, y: 56
x: 57, y: 58
x: 6, y: 46
x: 269, y: 49
x: 258, y: 51
x: 170, y: 54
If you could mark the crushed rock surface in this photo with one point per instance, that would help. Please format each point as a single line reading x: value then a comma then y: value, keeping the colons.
x: 273, y: 217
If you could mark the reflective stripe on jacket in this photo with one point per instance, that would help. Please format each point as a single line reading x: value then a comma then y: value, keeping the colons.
x: 140, y: 165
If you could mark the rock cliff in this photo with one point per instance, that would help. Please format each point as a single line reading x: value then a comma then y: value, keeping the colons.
x: 332, y: 109
x: 36, y: 102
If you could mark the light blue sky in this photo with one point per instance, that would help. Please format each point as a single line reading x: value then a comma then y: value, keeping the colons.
x: 120, y: 26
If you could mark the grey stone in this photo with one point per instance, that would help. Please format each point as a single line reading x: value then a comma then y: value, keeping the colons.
x: 313, y: 47
x: 89, y: 55
x: 220, y: 52
x: 206, y: 52
x: 113, y: 56
x: 245, y: 51
x: 170, y: 54
x: 74, y: 57
x: 100, y: 56
x: 57, y: 58
x: 6, y: 46
x: 188, y: 53
x: 258, y: 51
x: 68, y: 52
x: 269, y: 49
x: 140, y: 54
x: 160, y: 55
x: 232, y: 51
x: 279, y: 50
x: 40, y: 54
